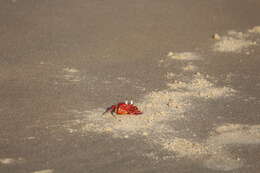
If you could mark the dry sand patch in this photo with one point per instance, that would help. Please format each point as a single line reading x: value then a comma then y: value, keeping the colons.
x: 234, y: 42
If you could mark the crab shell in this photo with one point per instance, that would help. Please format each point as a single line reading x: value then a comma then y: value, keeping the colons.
x: 123, y: 108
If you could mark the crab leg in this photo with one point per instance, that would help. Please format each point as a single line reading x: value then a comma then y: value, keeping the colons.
x: 111, y: 109
x: 106, y: 111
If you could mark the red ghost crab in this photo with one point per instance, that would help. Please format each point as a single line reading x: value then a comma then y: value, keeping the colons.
x: 124, y: 108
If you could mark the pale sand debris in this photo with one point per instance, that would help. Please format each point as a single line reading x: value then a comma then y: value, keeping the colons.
x: 72, y: 78
x: 255, y: 29
x: 71, y: 74
x: 236, y: 34
x: 31, y: 137
x: 230, y: 44
x: 234, y: 42
x: 216, y: 36
x: 152, y: 156
x: 126, y: 136
x: 123, y: 79
x: 170, y: 75
x: 177, y: 85
x: 227, y: 127
x: 8, y: 161
x: 44, y: 171
x: 200, y: 87
x: 70, y: 70
x: 183, y: 56
x: 145, y: 134
x: 190, y: 67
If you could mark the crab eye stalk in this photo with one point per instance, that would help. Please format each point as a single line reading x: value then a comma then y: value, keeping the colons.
x: 131, y: 102
x: 126, y: 102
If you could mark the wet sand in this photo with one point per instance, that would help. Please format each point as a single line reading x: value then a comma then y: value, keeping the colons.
x: 64, y: 62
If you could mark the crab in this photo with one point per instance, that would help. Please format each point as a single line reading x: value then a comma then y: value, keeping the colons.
x: 123, y: 108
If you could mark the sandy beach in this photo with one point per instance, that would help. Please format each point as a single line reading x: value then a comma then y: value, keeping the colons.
x: 191, y: 66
